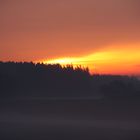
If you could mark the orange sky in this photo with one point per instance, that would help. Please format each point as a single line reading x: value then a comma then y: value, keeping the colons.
x: 102, y: 34
x: 109, y: 61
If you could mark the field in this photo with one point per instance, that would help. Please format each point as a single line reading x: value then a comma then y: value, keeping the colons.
x: 58, y: 119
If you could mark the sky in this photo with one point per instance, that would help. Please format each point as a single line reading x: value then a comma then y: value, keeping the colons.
x: 101, y: 34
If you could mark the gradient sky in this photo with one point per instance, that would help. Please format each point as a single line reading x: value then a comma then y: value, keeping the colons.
x: 36, y: 30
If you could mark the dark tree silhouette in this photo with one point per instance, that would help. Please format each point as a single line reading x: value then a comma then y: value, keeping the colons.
x: 40, y: 80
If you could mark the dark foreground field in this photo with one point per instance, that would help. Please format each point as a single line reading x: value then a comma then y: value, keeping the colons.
x: 42, y: 119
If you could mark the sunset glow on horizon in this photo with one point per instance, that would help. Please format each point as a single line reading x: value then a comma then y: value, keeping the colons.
x: 115, y: 61
x: 103, y: 35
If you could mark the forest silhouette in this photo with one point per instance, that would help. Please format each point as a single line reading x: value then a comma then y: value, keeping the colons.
x: 23, y: 79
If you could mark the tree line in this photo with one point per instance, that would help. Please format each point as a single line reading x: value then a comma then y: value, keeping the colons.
x: 24, y: 79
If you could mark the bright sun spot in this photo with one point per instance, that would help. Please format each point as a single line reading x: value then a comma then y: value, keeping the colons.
x: 63, y: 61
